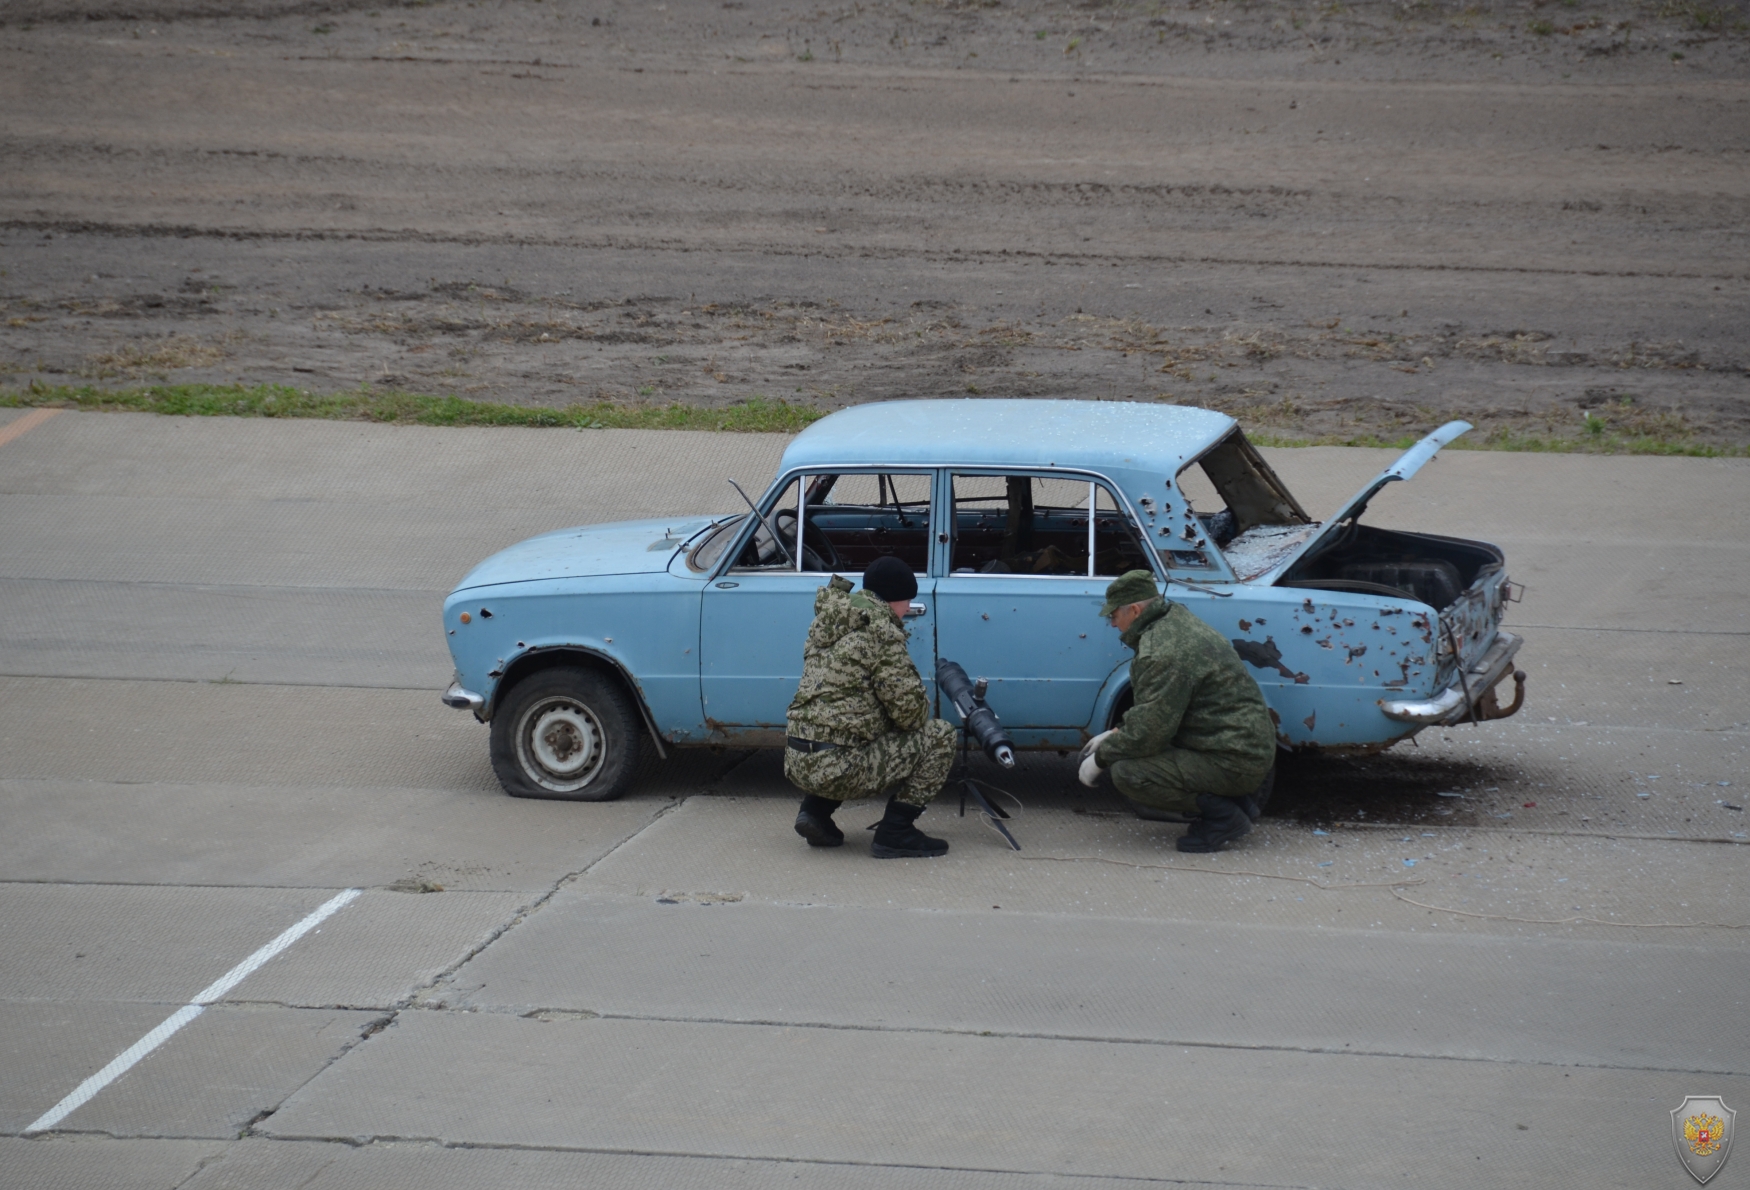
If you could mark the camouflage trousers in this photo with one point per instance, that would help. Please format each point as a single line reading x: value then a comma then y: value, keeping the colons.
x: 1171, y: 780
x: 916, y: 760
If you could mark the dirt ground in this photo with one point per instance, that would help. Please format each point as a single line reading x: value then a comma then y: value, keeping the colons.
x: 1332, y: 220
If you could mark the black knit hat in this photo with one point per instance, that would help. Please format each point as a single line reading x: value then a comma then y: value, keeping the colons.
x: 890, y: 580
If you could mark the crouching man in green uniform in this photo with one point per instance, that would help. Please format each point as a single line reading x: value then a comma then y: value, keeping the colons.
x: 860, y: 721
x: 1198, y: 740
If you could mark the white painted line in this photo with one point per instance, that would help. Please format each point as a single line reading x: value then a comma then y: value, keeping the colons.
x: 125, y: 1060
x: 241, y: 971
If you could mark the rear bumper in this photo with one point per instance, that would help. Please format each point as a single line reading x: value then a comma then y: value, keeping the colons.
x: 1477, y: 682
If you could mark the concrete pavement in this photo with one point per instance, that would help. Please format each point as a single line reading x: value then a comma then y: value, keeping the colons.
x: 218, y: 674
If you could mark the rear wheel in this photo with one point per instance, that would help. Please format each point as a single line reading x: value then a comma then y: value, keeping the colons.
x: 566, y: 733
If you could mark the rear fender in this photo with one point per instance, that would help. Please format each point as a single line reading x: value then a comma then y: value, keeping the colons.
x: 1114, y: 699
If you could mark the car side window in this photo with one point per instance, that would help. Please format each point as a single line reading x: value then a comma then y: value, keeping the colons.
x: 1117, y: 546
x: 1039, y: 524
x: 854, y: 518
x: 840, y: 523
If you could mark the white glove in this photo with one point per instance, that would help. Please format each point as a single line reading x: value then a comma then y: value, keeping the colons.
x: 1089, y: 748
x: 1089, y: 773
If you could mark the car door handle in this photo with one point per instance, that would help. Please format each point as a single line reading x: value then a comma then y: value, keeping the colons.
x: 916, y: 609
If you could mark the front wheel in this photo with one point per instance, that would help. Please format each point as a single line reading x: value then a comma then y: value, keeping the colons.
x: 564, y: 733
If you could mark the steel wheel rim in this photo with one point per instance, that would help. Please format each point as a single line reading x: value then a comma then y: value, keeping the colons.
x: 561, y: 744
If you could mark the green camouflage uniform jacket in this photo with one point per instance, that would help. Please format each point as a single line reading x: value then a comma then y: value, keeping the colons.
x: 1192, y: 692
x: 858, y: 681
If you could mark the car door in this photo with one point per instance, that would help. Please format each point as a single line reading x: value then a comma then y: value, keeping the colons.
x: 1024, y: 571
x: 756, y: 611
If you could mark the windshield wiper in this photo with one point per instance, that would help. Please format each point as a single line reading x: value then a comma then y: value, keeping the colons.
x: 770, y: 528
x: 886, y: 487
x: 1199, y: 587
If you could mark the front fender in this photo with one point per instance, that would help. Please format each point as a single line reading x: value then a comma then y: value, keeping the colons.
x: 643, y: 628
x: 543, y: 656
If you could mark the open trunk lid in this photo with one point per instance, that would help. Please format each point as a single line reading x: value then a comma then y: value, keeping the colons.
x: 1407, y: 464
x: 1467, y: 620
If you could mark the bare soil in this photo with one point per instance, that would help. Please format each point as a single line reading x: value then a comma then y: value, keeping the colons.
x: 1333, y: 221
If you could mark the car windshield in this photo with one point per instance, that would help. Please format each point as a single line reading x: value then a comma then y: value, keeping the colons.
x: 716, y: 540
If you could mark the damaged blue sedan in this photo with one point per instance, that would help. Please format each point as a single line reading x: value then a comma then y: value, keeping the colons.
x: 578, y: 646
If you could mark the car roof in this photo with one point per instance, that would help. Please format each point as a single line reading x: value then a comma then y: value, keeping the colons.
x: 979, y: 431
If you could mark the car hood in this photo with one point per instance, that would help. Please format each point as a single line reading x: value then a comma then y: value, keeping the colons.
x: 621, y: 547
x: 1407, y: 464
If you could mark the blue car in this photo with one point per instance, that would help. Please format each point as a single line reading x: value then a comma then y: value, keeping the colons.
x: 577, y: 645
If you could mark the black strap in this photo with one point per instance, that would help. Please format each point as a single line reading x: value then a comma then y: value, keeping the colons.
x: 801, y: 745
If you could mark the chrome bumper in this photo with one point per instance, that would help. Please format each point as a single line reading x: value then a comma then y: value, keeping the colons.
x: 1480, y: 679
x: 463, y: 700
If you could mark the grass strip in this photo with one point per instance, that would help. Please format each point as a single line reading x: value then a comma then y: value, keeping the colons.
x: 755, y: 415
x: 1504, y: 439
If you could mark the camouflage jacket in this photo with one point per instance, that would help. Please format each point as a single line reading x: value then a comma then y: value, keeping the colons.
x: 1192, y: 691
x: 858, y: 681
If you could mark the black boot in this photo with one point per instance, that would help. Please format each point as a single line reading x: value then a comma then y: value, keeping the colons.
x: 896, y: 836
x: 814, y: 822
x: 1223, y: 821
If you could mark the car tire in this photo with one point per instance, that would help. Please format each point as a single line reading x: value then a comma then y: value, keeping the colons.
x: 567, y: 734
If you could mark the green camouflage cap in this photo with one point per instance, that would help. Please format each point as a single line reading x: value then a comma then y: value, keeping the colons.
x: 1135, y: 586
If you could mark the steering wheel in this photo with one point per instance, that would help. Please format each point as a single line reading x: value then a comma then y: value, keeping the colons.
x: 817, y: 548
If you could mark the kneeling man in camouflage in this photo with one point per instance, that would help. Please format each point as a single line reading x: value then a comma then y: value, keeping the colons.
x: 860, y: 721
x: 1198, y: 741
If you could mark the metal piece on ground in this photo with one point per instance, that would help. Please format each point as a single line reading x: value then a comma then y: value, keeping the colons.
x: 993, y: 813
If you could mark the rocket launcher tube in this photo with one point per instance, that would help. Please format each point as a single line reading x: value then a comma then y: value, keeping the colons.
x: 981, y: 722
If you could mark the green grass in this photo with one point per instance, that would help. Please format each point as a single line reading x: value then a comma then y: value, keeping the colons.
x: 754, y: 415
x: 757, y: 414
x: 1504, y: 439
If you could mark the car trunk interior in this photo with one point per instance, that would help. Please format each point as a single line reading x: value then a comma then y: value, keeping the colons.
x: 1431, y: 570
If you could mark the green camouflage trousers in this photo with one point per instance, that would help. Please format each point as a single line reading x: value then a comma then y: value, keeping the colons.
x: 1171, y: 780
x: 920, y: 759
